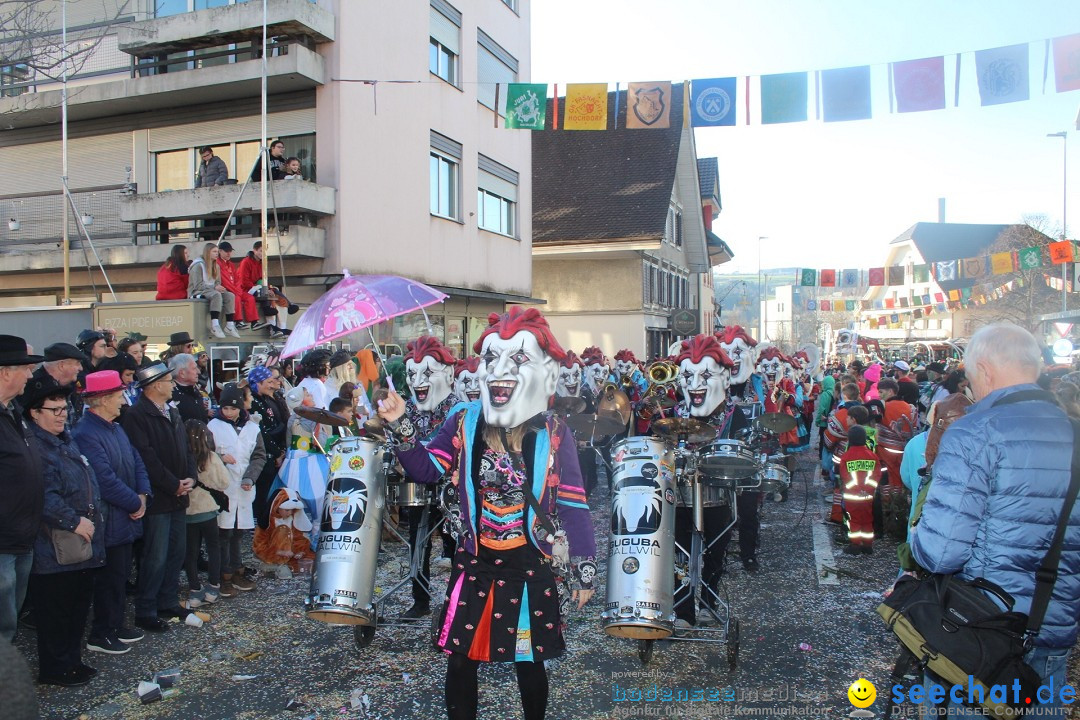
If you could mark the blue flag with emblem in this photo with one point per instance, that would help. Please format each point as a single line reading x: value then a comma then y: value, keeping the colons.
x: 712, y: 102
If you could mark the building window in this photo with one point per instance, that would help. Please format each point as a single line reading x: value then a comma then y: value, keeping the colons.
x: 12, y: 75
x: 176, y: 169
x: 444, y: 47
x: 164, y: 8
x: 496, y: 197
x: 512, y: 4
x: 494, y: 65
x: 673, y: 227
x: 445, y: 163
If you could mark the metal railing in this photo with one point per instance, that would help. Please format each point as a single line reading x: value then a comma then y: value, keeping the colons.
x: 37, y: 218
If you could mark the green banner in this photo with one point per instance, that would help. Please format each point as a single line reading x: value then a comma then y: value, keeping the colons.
x: 809, y: 278
x: 1030, y: 258
x: 526, y: 106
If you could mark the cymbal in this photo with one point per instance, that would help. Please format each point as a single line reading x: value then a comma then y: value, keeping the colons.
x: 323, y: 417
x: 661, y: 402
x: 613, y: 400
x: 569, y: 405
x: 375, y: 427
x: 776, y: 422
x: 695, y: 431
x: 589, y: 425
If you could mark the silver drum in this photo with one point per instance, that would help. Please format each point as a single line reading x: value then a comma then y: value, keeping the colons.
x: 727, y: 460
x: 343, y: 581
x: 402, y: 493
x: 775, y: 478
x: 641, y: 562
x: 713, y: 495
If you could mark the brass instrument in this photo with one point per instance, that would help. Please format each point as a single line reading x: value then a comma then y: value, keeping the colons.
x: 661, y: 373
x: 613, y: 400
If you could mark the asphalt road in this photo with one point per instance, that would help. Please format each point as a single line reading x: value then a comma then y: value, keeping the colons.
x: 806, y: 634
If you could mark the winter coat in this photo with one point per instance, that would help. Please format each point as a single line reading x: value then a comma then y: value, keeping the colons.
x: 249, y: 273
x: 120, y: 473
x: 171, y: 285
x: 211, y: 173
x: 70, y: 491
x: 215, y: 476
x: 230, y: 277
x: 245, y: 444
x: 1000, y: 479
x: 200, y: 281
x: 191, y: 403
x: 21, y: 483
x: 162, y: 444
x: 825, y: 401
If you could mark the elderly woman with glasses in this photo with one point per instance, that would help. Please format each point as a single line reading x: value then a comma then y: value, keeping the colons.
x: 62, y: 586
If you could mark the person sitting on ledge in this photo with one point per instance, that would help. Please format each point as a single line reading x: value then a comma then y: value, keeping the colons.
x: 172, y: 276
x: 204, y: 281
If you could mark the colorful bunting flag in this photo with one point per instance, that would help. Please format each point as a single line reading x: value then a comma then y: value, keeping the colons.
x: 965, y: 294
x: 939, y: 297
x: 881, y: 321
x: 526, y: 106
x: 826, y: 306
x: 827, y: 278
x: 1002, y: 263
x: 811, y: 304
x: 1003, y: 74
x: 850, y: 305
x: 945, y: 271
x: 849, y: 278
x: 1067, y: 63
x: 903, y: 302
x: 940, y: 307
x: 1061, y: 252
x: 1030, y: 258
x: 712, y: 102
x: 974, y: 268
x: 894, y: 318
x: 648, y: 105
x: 916, y: 314
x: 954, y: 295
x: 783, y: 98
x: 919, y: 84
x: 890, y: 303
x: 896, y: 275
x: 920, y: 273
x: 586, y: 106
x: 845, y: 93
x: 808, y: 278
x: 876, y: 277
x: 925, y: 299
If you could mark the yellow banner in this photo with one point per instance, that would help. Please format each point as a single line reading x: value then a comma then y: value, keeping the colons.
x: 1002, y: 263
x: 586, y: 107
x: 648, y: 105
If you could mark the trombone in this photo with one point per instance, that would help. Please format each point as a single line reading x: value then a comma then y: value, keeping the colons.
x: 661, y: 374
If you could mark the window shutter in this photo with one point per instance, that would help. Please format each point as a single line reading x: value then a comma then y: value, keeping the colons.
x: 446, y: 25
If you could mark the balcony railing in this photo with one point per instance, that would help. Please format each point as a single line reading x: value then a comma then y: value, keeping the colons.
x: 39, y: 217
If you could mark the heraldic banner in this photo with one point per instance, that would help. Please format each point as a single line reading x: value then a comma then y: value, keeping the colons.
x: 648, y: 105
x: 526, y: 106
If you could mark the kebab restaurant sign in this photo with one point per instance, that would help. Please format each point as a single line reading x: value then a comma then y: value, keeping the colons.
x: 156, y: 320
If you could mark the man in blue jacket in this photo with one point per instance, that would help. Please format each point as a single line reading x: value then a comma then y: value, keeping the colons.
x: 1000, y: 480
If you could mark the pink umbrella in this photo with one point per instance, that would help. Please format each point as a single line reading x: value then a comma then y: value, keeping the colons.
x: 355, y: 303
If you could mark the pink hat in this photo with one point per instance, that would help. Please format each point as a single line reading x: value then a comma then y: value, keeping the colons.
x: 102, y: 382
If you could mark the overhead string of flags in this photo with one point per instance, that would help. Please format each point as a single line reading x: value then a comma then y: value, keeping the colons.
x: 1003, y: 75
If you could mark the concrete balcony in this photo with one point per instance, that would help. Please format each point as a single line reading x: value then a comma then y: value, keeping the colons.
x: 300, y: 69
x: 290, y: 196
x: 237, y: 23
x: 297, y: 243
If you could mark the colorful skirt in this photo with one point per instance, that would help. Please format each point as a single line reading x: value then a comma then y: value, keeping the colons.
x: 306, y: 473
x: 502, y: 606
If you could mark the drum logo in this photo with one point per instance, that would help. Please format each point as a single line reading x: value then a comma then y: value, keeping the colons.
x: 335, y: 464
x: 637, y: 506
x: 356, y: 463
x: 345, y: 506
x: 630, y: 566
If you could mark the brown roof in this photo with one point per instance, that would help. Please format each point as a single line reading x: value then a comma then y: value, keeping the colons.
x: 610, y: 184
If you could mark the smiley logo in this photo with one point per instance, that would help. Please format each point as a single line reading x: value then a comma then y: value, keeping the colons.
x: 862, y: 693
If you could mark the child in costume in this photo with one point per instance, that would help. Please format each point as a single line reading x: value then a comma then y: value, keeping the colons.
x: 860, y: 472
x: 305, y: 468
x: 284, y: 543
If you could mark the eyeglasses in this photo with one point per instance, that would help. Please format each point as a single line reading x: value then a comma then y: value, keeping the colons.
x: 56, y: 411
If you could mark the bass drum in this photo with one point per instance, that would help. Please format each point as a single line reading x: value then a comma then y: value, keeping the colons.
x: 724, y: 460
x: 343, y: 582
x: 641, y: 562
x: 775, y: 478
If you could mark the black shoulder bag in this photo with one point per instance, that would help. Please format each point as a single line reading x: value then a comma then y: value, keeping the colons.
x: 954, y: 629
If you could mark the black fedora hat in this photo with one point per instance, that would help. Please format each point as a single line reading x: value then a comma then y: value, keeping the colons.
x: 64, y: 351
x: 13, y: 352
x: 180, y: 338
x: 151, y: 374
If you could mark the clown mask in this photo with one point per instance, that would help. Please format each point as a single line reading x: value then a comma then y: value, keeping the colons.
x: 772, y: 369
x: 742, y: 355
x: 517, y: 379
x: 596, y: 375
x: 430, y: 382
x: 625, y: 368
x: 569, y: 381
x: 467, y: 385
x: 704, y: 385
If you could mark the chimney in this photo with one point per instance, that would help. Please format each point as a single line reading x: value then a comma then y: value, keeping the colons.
x: 941, y: 210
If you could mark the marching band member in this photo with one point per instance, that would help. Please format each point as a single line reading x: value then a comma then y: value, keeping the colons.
x: 777, y: 393
x: 741, y: 348
x: 626, y: 369
x: 793, y: 373
x: 522, y: 518
x: 467, y: 379
x: 571, y: 384
x: 704, y: 376
x: 594, y: 373
x: 570, y: 376
x: 429, y: 373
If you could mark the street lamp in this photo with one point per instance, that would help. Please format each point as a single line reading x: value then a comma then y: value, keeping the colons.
x: 1064, y: 135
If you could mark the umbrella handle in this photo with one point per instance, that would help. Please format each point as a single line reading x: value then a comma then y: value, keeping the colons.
x: 382, y: 359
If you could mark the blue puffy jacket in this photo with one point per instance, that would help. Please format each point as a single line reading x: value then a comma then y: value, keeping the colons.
x: 1000, y: 480
x: 120, y: 472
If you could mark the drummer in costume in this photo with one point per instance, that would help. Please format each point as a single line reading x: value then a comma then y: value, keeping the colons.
x: 704, y: 377
x: 467, y: 379
x: 629, y: 378
x: 594, y: 374
x: 777, y: 392
x: 429, y: 373
x: 523, y: 517
x: 741, y: 348
x: 570, y: 376
x: 793, y: 373
x: 572, y: 384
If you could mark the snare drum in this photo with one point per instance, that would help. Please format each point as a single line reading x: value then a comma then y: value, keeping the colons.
x: 727, y: 460
x: 712, y: 495
x: 402, y: 493
x: 775, y: 478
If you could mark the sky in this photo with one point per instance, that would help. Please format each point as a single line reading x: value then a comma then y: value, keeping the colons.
x: 835, y: 194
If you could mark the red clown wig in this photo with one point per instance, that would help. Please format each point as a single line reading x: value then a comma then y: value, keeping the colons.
x: 626, y: 356
x: 732, y: 332
x: 515, y: 320
x: 700, y: 347
x: 801, y: 355
x: 571, y: 360
x: 773, y: 353
x: 593, y: 355
x: 469, y: 364
x: 427, y: 346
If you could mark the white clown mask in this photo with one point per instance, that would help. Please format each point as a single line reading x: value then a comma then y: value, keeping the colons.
x: 772, y: 369
x: 430, y: 382
x: 467, y: 385
x: 569, y: 381
x: 704, y: 385
x: 624, y: 368
x: 742, y: 355
x: 596, y: 376
x: 517, y: 379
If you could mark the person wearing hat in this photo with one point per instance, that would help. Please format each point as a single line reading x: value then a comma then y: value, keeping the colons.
x: 269, y: 404
x: 179, y: 343
x: 92, y: 344
x: 22, y: 483
x: 909, y: 389
x: 246, y: 312
x: 342, y: 370
x: 125, y: 366
x: 62, y: 367
x: 125, y: 487
x: 157, y: 434
x: 61, y: 588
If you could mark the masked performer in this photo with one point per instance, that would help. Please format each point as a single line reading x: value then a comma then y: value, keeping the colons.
x: 777, y: 394
x: 467, y: 379
x: 571, y: 384
x: 570, y: 376
x: 595, y: 374
x: 704, y: 377
x: 429, y: 373
x: 741, y: 348
x: 522, y: 520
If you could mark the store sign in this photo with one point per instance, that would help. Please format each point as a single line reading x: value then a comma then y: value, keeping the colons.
x: 156, y: 320
x: 684, y: 322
